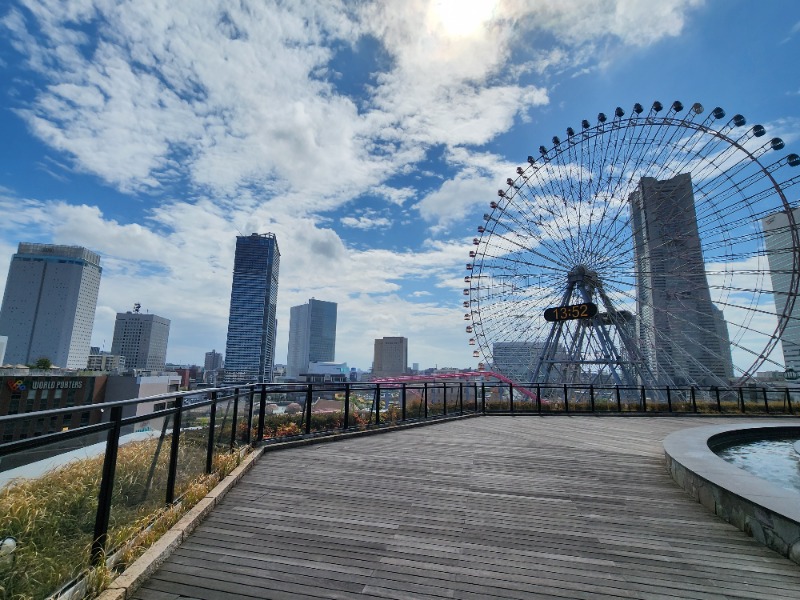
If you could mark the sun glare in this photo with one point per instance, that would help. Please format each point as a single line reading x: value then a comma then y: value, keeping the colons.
x: 462, y: 18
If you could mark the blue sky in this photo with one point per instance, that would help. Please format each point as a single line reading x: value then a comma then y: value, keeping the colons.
x: 369, y: 136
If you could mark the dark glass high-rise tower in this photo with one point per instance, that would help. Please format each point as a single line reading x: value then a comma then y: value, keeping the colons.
x: 250, y: 349
x: 683, y: 335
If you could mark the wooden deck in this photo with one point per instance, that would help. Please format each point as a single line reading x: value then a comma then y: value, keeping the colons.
x: 495, y: 507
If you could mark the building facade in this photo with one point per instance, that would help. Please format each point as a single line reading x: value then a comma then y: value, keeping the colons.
x: 682, y: 334
x: 391, y: 357
x: 104, y: 361
x: 250, y: 346
x: 782, y: 254
x: 213, y: 361
x: 21, y: 394
x: 312, y: 336
x: 49, y: 304
x: 142, y: 339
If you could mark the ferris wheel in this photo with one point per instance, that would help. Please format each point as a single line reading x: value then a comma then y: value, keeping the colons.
x: 657, y: 248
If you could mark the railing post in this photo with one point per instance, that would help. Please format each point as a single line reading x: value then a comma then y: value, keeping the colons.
x: 307, y: 411
x: 403, y: 401
x: 483, y: 397
x: 766, y: 402
x: 475, y: 391
x: 669, y: 400
x: 619, y: 400
x: 461, y: 396
x: 234, y: 421
x: 539, y: 399
x: 694, y: 399
x: 346, y: 406
x: 103, y: 513
x: 511, y: 397
x: 377, y: 404
x: 262, y: 411
x: 591, y: 395
x: 425, y: 394
x: 644, y: 400
x: 789, y: 401
x: 212, y: 420
x: 741, y: 398
x: 444, y: 398
x: 719, y: 404
x: 173, y: 452
x: 251, y: 398
x: 566, y: 399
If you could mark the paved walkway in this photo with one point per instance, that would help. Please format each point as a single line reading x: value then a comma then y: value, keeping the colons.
x: 493, y: 507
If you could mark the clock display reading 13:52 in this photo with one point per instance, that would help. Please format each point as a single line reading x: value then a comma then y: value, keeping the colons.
x: 573, y: 311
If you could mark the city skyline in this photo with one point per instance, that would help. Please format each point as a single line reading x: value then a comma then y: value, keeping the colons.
x: 370, y: 139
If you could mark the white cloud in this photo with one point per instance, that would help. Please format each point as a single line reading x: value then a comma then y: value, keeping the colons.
x: 238, y: 100
x: 365, y: 222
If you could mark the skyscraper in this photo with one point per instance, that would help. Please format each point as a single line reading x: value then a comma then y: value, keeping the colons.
x: 312, y: 336
x: 391, y: 357
x: 781, y: 257
x: 683, y: 336
x: 250, y: 348
x: 141, y: 339
x: 49, y: 304
x: 213, y: 361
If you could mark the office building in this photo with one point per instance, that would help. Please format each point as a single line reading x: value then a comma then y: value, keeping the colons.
x: 312, y: 336
x: 213, y: 361
x: 250, y: 347
x: 516, y: 360
x: 107, y: 362
x: 391, y: 357
x: 49, y: 304
x: 781, y: 254
x: 142, y: 339
x: 683, y: 336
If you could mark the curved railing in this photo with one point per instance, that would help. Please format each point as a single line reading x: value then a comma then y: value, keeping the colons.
x: 70, y: 497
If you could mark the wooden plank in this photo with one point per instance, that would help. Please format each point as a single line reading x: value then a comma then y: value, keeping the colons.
x: 497, y: 507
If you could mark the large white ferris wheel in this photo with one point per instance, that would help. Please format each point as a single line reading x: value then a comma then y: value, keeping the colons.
x: 633, y: 252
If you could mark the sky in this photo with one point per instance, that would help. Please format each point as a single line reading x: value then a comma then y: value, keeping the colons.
x: 370, y: 137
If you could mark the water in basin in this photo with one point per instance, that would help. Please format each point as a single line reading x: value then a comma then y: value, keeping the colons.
x: 774, y: 460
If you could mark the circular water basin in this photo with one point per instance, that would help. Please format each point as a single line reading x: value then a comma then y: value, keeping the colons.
x: 776, y: 460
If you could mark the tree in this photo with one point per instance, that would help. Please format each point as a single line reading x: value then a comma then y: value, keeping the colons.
x: 43, y: 363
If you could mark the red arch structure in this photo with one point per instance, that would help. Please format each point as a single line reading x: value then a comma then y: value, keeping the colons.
x: 462, y: 375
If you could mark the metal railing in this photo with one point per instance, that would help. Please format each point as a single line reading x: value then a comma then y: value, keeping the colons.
x: 185, y: 432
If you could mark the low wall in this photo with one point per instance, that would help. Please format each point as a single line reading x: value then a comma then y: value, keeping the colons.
x: 767, y: 512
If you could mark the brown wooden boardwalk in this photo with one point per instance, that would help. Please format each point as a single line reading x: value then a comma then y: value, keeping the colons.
x: 494, y: 507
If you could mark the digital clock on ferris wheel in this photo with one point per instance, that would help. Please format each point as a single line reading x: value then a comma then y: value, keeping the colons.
x: 570, y: 312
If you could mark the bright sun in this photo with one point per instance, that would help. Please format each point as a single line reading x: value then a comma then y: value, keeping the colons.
x: 461, y: 18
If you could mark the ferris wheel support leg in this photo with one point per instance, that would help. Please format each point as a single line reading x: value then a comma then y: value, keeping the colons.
x: 548, y: 352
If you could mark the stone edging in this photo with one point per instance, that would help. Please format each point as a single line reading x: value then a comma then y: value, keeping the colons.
x: 767, y: 512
